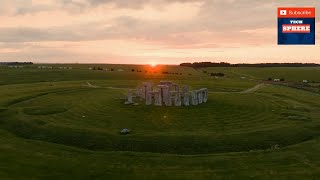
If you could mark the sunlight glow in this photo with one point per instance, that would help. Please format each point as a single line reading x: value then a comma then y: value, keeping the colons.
x: 153, y: 64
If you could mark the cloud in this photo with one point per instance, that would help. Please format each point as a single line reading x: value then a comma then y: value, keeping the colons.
x: 136, y: 4
x: 22, y: 7
x: 144, y: 27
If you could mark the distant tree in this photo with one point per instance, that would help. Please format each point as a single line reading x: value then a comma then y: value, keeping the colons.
x: 17, y: 63
x: 190, y: 74
x: 282, y: 79
x: 186, y: 64
x: 205, y: 72
x: 111, y: 69
x: 225, y: 64
x: 269, y: 79
x: 132, y: 70
x: 217, y: 74
x: 220, y: 74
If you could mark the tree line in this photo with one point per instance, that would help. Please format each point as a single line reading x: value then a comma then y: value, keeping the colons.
x: 225, y: 64
x: 16, y: 63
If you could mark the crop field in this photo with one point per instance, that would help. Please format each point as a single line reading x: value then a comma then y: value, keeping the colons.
x: 53, y: 125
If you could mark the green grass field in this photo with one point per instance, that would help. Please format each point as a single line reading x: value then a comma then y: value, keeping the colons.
x: 54, y: 126
x: 297, y: 74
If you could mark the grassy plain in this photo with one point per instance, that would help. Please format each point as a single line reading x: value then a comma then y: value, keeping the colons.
x: 54, y: 126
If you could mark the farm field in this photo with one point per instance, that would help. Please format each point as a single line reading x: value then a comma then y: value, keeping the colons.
x: 294, y: 74
x: 53, y: 125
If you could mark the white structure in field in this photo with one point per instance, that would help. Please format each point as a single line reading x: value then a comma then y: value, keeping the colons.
x: 129, y: 98
x: 167, y: 93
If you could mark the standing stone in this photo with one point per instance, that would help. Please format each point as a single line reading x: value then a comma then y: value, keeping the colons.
x: 164, y: 94
x: 149, y: 86
x: 199, y: 94
x: 130, y: 96
x: 143, y: 92
x: 175, y: 87
x: 194, y: 98
x: 185, y: 94
x: 149, y: 98
x: 138, y: 91
x: 170, y: 96
x: 177, y: 99
x: 175, y: 93
x: 167, y: 83
x: 146, y: 87
x: 205, y: 95
x: 166, y: 97
x: 158, y: 98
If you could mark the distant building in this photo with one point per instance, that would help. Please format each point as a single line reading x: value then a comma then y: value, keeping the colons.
x: 276, y: 80
x: 305, y: 81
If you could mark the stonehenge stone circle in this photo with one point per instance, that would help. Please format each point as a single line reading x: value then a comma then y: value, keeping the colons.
x: 167, y: 93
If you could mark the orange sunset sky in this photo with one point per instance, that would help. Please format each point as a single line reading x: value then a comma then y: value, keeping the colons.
x: 148, y: 31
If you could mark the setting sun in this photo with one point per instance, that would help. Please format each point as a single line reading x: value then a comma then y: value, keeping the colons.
x: 153, y: 64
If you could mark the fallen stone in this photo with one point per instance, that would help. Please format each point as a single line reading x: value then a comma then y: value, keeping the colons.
x: 127, y: 102
x: 125, y: 131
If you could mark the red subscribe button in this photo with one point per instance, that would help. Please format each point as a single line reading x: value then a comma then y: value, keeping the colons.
x: 294, y: 12
x: 301, y: 28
